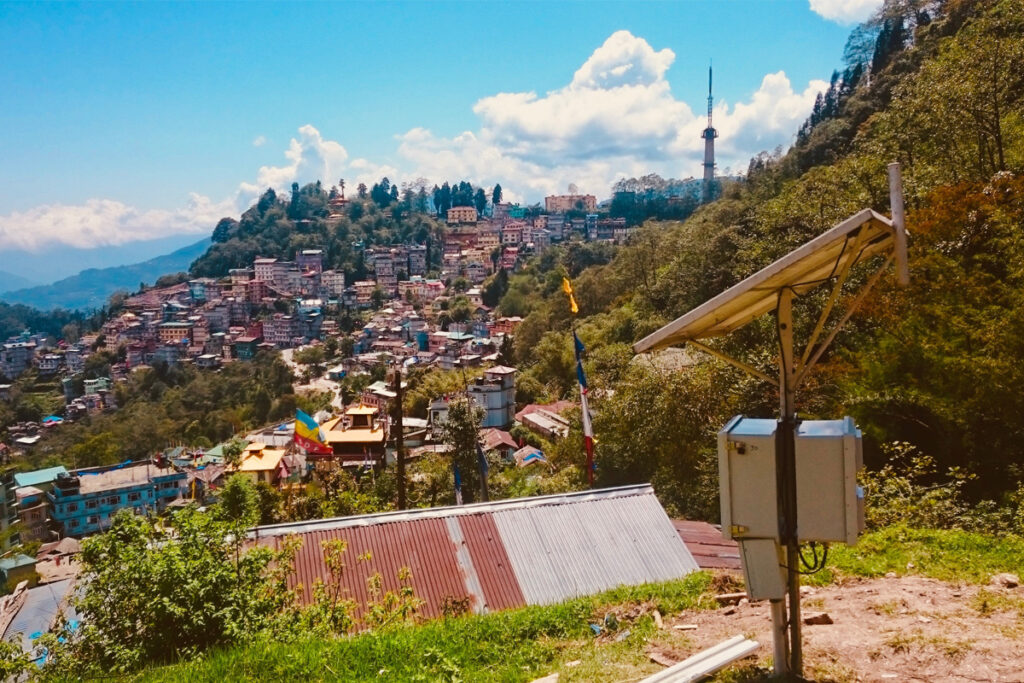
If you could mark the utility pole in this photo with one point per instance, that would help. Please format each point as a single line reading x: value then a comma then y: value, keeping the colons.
x: 399, y: 436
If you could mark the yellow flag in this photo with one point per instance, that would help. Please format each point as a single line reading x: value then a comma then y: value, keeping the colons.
x: 567, y: 288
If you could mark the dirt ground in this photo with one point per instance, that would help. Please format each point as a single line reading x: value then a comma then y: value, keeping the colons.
x: 890, y: 629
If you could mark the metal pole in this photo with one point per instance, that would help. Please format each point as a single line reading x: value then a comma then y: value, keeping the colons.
x: 899, y: 223
x: 399, y: 436
x: 786, y: 464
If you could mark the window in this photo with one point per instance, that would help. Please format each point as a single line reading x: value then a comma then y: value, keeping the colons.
x: 72, y: 507
x: 112, y: 500
x: 74, y: 523
x: 132, y: 497
x: 93, y: 519
x: 91, y: 504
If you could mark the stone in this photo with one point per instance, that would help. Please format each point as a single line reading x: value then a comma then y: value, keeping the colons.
x: 818, y: 619
x: 1005, y: 580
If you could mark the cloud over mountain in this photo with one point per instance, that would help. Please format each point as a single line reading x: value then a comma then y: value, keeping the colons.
x: 615, y: 117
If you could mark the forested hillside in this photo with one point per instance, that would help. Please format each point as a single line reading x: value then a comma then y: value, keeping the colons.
x: 277, y: 228
x: 937, y: 86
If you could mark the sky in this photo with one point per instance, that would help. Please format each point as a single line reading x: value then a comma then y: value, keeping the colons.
x: 124, y: 123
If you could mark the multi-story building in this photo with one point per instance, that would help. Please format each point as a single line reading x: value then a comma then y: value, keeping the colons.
x: 476, y: 271
x: 281, y: 330
x: 570, y: 202
x: 452, y: 257
x: 247, y: 346
x: 364, y: 292
x: 606, y: 228
x: 74, y: 358
x: 16, y: 358
x: 488, y: 239
x: 84, y: 501
x: 175, y: 332
x: 287, y: 277
x: 417, y: 260
x: 541, y: 239
x: 264, y: 269
x: 333, y: 282
x: 239, y: 276
x: 48, y: 363
x: 495, y: 392
x: 201, y: 288
x: 167, y: 353
x: 384, y: 273
x: 310, y: 260
x: 8, y: 508
x: 461, y: 214
x: 33, y: 511
x: 357, y: 438
x: 557, y: 227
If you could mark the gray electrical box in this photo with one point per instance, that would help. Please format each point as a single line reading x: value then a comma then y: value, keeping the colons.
x: 830, y: 504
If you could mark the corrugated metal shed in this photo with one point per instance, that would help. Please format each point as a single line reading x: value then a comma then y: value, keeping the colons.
x: 527, y: 551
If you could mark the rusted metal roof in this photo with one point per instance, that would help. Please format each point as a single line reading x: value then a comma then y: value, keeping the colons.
x: 510, y: 553
x: 707, y: 546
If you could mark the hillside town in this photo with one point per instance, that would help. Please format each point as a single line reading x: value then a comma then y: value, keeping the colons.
x: 406, y: 316
x: 754, y: 422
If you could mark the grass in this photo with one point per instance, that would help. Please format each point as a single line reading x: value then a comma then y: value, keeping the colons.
x: 527, y: 643
x: 515, y: 645
x: 947, y: 555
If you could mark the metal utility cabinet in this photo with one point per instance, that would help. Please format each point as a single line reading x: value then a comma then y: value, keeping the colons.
x: 830, y: 504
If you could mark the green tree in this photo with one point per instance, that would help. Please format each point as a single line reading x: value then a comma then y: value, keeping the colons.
x: 239, y: 502
x: 461, y: 432
x: 154, y: 594
x: 496, y: 195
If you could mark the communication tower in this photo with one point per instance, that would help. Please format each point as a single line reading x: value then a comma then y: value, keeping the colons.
x: 709, y: 136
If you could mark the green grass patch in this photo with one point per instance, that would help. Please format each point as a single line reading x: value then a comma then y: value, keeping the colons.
x: 948, y: 555
x: 527, y: 643
x: 514, y: 645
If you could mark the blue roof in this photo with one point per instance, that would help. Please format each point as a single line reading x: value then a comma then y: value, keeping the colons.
x: 39, y: 610
x: 19, y: 560
x: 37, y: 477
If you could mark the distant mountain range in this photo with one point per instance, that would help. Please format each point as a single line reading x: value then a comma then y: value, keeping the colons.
x: 9, y: 281
x: 92, y: 288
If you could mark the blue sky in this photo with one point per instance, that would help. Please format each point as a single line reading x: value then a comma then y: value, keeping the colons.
x: 127, y: 122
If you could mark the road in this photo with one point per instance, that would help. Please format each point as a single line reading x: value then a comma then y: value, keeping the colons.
x: 317, y: 384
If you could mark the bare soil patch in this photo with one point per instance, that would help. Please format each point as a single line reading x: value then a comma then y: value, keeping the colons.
x: 890, y: 629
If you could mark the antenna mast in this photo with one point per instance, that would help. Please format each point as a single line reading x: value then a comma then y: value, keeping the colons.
x: 709, y: 136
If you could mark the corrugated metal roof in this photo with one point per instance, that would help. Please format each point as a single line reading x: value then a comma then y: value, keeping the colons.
x: 39, y: 611
x: 503, y: 554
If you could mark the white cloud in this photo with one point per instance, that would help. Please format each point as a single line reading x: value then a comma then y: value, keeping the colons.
x: 259, y: 141
x: 105, y: 222
x: 616, y: 117
x: 310, y: 158
x: 845, y: 11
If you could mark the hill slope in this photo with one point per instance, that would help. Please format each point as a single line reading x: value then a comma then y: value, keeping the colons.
x: 10, y: 281
x: 91, y: 288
